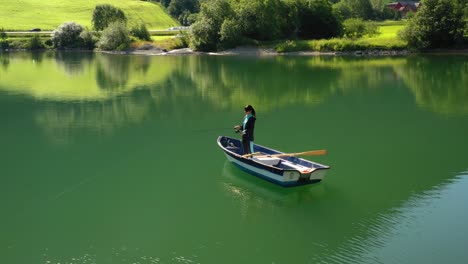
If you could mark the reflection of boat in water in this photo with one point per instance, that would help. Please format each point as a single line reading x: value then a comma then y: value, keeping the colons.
x: 240, y: 185
x: 273, y: 165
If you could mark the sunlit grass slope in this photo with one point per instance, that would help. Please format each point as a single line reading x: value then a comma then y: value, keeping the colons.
x: 48, y: 15
x: 388, y: 34
x: 386, y: 39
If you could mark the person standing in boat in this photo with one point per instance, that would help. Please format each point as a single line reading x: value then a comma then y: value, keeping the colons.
x: 247, y: 129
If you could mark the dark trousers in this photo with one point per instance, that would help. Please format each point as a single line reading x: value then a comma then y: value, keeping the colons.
x: 246, y: 147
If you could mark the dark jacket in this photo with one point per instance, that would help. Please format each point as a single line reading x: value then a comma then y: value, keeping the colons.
x: 248, y: 132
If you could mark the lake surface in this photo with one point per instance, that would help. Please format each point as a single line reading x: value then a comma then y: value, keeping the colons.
x: 113, y: 159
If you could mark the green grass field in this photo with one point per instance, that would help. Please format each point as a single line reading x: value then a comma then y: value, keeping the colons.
x: 388, y: 34
x: 387, y: 39
x: 48, y: 15
x: 160, y: 38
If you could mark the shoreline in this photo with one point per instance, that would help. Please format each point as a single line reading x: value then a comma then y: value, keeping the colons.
x: 150, y: 50
x: 269, y: 52
x: 257, y: 52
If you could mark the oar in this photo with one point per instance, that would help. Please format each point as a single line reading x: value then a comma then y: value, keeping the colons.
x: 251, y: 154
x: 306, y: 153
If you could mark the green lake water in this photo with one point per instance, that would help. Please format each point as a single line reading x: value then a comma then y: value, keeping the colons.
x: 113, y: 159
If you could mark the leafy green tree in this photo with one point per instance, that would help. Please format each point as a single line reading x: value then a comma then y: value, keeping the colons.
x: 177, y: 7
x: 165, y: 3
x: 204, y: 35
x: 316, y: 19
x: 206, y: 31
x: 224, y: 23
x: 354, y: 9
x: 380, y: 10
x: 141, y: 32
x: 105, y: 14
x: 182, y: 9
x: 231, y: 33
x: 341, y: 10
x: 114, y: 37
x: 463, y: 5
x: 292, y: 21
x: 67, y: 35
x: 184, y: 18
x: 260, y: 19
x: 437, y: 24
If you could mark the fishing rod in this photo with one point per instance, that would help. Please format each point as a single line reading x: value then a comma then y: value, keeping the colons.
x: 211, y: 129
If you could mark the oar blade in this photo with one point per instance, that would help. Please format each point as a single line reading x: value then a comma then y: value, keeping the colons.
x: 313, y: 153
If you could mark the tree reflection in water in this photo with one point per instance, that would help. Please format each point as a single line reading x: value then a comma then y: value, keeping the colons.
x: 439, y: 83
x: 128, y: 88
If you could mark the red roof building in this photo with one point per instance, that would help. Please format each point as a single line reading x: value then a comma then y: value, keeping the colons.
x: 404, y: 7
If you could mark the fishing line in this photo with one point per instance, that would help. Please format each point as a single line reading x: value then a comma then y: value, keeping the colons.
x: 211, y: 129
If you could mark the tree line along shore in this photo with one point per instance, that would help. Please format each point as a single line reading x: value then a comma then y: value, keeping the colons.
x: 280, y: 26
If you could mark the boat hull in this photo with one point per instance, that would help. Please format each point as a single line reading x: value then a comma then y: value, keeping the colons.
x: 288, y: 172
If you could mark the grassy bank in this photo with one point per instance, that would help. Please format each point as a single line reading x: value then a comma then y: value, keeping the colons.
x: 386, y: 39
x: 48, y: 15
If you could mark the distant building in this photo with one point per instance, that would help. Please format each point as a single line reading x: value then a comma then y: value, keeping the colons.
x: 404, y: 7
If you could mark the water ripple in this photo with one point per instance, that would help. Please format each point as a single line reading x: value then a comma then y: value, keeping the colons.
x: 413, y: 232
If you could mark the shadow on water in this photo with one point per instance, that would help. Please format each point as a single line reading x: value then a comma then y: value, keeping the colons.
x: 249, y: 189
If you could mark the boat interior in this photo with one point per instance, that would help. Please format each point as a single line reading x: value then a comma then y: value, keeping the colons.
x: 262, y: 156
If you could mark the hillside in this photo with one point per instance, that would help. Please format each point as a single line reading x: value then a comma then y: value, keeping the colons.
x: 48, y: 15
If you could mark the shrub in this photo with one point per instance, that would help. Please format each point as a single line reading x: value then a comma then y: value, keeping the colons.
x: 4, y: 44
x: 141, y: 32
x: 335, y: 45
x: 35, y: 43
x: 354, y: 28
x: 114, y: 37
x: 88, y: 39
x: 49, y: 43
x: 177, y: 43
x: 286, y: 46
x: 67, y: 35
x: 183, y: 39
x: 371, y: 28
x: 18, y: 43
x: 105, y: 14
x: 3, y: 34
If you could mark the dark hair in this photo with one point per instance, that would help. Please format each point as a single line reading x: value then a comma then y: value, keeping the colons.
x: 250, y: 108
